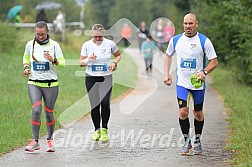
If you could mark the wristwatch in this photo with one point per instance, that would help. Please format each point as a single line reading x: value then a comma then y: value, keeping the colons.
x: 55, y: 61
x: 205, y: 72
x: 115, y: 63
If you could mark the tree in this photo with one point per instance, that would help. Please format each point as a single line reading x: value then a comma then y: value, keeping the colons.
x: 183, y: 5
x: 230, y: 30
x: 135, y: 11
x: 97, y: 11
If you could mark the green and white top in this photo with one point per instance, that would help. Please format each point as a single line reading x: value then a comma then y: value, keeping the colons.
x: 43, y: 69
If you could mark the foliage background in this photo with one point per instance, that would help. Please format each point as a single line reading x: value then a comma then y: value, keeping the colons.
x: 227, y: 23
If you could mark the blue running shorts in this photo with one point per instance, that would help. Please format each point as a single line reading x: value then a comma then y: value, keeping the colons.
x: 184, y: 95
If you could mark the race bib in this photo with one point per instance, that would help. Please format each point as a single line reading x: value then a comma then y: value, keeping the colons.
x: 41, y: 66
x: 99, y: 67
x: 188, y: 63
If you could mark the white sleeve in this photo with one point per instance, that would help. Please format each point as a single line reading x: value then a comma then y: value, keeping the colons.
x: 114, y: 48
x: 27, y: 48
x: 170, y: 49
x: 84, y: 50
x: 209, y: 50
x: 58, y: 51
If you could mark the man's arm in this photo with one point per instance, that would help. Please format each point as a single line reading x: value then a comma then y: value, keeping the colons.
x: 212, y: 65
x: 209, y: 68
x: 167, y: 66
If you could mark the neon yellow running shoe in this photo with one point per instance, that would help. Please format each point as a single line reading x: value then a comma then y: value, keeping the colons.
x: 96, y: 135
x: 104, y: 135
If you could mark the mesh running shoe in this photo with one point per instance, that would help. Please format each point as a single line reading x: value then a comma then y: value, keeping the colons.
x: 96, y: 135
x: 197, y: 150
x: 104, y: 135
x: 186, y: 148
x: 32, y: 146
x: 49, y: 144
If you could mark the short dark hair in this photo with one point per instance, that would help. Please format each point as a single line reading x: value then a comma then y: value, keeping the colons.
x: 149, y: 36
x: 41, y: 24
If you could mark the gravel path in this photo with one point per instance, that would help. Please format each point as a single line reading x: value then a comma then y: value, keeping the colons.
x: 144, y: 132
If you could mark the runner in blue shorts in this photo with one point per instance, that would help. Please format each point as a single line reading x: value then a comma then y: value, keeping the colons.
x: 192, y: 49
x: 184, y: 95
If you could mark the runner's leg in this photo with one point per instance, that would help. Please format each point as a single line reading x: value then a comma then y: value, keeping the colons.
x: 35, y: 94
x: 183, y: 99
x: 92, y: 86
x: 50, y: 95
x: 105, y: 90
x: 198, y: 96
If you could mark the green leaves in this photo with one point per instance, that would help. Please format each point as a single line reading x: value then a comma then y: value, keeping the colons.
x: 229, y: 30
x: 196, y: 81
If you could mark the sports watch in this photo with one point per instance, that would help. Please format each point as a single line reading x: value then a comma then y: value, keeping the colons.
x: 205, y: 72
x: 55, y: 61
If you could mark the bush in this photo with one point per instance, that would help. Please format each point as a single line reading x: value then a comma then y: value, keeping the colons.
x: 9, y: 36
x: 230, y: 31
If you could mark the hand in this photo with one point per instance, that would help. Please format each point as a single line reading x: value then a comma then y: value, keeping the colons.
x: 201, y: 75
x: 168, y: 80
x: 112, y: 67
x: 47, y: 56
x: 27, y: 72
x: 92, y: 57
x: 148, y: 51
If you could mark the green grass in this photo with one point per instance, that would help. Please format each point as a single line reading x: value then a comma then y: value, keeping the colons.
x: 237, y: 98
x: 15, y: 104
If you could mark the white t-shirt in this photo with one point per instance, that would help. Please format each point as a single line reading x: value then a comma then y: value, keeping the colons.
x: 190, y: 58
x: 44, y: 69
x: 103, y: 53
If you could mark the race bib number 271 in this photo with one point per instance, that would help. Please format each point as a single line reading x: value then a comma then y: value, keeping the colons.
x: 188, y: 63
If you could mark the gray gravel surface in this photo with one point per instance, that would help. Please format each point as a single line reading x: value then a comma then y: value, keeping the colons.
x: 143, y: 129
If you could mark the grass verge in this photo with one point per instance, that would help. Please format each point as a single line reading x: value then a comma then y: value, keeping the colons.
x: 237, y: 98
x: 15, y: 104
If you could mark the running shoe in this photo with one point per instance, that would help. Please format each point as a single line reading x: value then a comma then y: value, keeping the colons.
x: 186, y: 148
x: 96, y: 135
x: 32, y: 146
x: 104, y: 135
x: 197, y: 150
x: 49, y: 144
